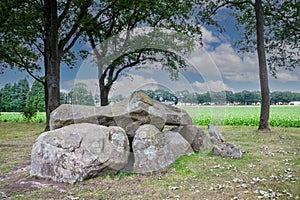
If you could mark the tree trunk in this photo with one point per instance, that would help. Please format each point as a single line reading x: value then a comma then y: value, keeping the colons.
x: 104, y: 91
x: 51, y: 59
x: 263, y: 71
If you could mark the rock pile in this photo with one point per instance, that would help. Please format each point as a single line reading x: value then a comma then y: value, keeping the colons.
x: 221, y: 148
x: 138, y: 134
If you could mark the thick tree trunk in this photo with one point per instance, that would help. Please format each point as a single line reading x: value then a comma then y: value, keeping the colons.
x: 104, y: 91
x: 51, y: 59
x: 263, y: 71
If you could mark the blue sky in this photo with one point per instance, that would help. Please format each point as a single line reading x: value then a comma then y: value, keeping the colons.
x: 216, y: 66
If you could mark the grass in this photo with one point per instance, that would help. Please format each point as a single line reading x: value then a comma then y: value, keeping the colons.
x: 270, y: 165
x: 18, y: 117
x: 280, y: 116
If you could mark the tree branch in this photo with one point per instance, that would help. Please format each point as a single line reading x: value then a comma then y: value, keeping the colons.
x: 39, y: 49
x: 64, y: 13
x: 72, y: 42
x: 228, y: 3
x: 22, y: 64
x: 82, y: 14
x: 35, y: 77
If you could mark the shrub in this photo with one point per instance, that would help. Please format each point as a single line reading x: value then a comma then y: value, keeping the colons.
x: 29, y: 112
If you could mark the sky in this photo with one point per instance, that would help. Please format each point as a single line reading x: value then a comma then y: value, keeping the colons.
x: 214, y: 67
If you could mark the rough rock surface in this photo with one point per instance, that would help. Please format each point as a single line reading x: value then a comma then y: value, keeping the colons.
x: 177, y: 145
x: 227, y: 150
x: 129, y: 114
x: 76, y: 152
x: 195, y: 136
x: 215, y: 134
x: 154, y: 150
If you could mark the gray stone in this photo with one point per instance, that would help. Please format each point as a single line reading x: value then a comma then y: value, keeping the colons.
x: 227, y: 150
x: 79, y: 151
x: 129, y: 114
x: 177, y: 145
x: 149, y: 150
x: 215, y: 134
x: 195, y: 136
x: 154, y: 150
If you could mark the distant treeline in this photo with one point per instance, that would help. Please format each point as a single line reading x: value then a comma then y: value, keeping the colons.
x: 243, y: 98
x: 15, y: 97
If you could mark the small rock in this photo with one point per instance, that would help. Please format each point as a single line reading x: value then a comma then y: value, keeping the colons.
x: 215, y: 134
x: 237, y: 180
x: 173, y: 188
x: 3, y: 195
x: 227, y: 150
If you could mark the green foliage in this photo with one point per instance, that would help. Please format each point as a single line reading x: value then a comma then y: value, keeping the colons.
x: 81, y: 96
x: 160, y: 95
x: 117, y: 46
x: 18, y: 117
x: 36, y: 97
x: 13, y: 97
x: 243, y: 98
x: 281, y: 28
x: 29, y: 112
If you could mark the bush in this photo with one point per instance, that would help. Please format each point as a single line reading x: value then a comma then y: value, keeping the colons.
x: 29, y: 112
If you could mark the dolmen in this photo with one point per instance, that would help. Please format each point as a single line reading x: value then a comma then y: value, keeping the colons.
x: 137, y: 134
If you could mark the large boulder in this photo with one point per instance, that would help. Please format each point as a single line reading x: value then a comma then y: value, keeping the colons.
x: 177, y: 145
x: 195, y: 136
x: 129, y: 114
x: 154, y: 150
x: 76, y: 152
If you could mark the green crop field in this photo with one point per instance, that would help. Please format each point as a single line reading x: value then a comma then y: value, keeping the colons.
x: 280, y: 116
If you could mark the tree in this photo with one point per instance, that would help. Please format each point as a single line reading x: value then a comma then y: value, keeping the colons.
x: 47, y: 29
x: 36, y: 97
x: 81, y: 96
x: 160, y: 95
x: 6, y: 98
x: 21, y: 93
x: 267, y: 27
x: 114, y: 40
x: 229, y: 97
x: 13, y: 97
x: 65, y: 98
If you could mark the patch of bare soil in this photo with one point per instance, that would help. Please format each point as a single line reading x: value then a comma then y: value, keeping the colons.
x: 18, y: 182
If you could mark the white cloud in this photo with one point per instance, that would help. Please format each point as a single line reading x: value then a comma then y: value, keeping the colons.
x: 233, y: 67
x: 288, y: 76
x: 208, y: 36
x: 215, y: 86
x: 64, y: 91
x: 126, y: 85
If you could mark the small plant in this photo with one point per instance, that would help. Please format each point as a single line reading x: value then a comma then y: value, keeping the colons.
x: 29, y: 112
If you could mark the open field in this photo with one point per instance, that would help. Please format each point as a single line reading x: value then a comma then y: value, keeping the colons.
x: 18, y: 117
x: 280, y: 116
x: 270, y: 169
